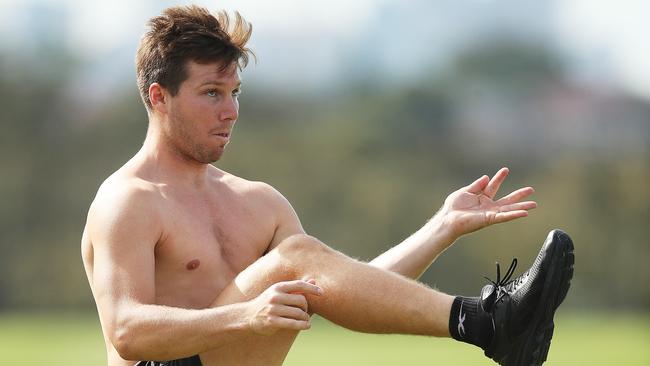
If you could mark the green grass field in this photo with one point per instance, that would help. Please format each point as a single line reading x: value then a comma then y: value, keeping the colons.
x: 587, y: 339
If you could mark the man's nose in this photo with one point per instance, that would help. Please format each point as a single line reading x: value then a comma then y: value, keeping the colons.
x: 230, y: 109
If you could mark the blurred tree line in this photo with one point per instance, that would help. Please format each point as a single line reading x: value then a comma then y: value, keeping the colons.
x: 364, y: 164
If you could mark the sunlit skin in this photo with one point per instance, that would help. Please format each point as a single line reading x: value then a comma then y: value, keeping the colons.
x: 184, y: 258
x: 198, y: 121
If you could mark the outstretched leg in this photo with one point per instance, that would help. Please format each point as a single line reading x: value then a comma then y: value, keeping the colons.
x: 512, y: 320
x: 356, y: 296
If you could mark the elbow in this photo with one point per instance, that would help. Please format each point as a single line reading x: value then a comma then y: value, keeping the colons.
x: 125, y: 342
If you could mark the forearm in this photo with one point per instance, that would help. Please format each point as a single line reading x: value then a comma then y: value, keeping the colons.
x: 465, y: 210
x: 155, y: 332
x: 415, y: 254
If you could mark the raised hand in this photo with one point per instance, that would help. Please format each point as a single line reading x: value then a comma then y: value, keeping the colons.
x: 474, y: 207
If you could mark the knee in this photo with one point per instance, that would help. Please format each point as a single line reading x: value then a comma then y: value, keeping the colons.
x: 300, y: 248
x: 296, y: 257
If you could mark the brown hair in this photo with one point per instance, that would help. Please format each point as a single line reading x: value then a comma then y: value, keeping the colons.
x: 189, y: 33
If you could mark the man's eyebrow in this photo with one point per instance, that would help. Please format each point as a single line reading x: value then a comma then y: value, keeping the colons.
x: 216, y: 82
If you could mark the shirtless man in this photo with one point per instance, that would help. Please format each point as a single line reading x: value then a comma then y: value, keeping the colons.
x: 192, y: 264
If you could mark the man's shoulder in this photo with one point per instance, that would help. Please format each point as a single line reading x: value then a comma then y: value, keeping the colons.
x: 254, y: 190
x: 246, y: 186
x: 127, y: 208
x: 122, y: 193
x: 125, y: 187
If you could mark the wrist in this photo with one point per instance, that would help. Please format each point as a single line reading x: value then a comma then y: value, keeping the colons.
x: 235, y: 318
x: 440, y: 231
x: 247, y: 316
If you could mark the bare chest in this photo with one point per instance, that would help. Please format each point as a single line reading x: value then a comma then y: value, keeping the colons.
x: 205, y: 245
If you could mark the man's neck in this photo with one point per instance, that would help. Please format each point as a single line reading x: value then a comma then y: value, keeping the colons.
x: 166, y: 164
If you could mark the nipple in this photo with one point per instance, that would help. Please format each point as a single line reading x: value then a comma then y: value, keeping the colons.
x: 193, y: 264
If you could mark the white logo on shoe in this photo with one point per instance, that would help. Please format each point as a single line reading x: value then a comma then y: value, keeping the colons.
x: 461, y: 319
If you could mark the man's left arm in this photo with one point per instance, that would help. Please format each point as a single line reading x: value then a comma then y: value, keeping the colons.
x: 466, y: 210
x: 287, y: 221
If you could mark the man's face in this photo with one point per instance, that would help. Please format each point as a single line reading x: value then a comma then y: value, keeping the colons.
x: 202, y: 114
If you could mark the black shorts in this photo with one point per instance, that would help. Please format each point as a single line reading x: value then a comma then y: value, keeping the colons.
x: 190, y: 361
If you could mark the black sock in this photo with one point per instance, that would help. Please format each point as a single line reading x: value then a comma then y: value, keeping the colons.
x: 469, y: 323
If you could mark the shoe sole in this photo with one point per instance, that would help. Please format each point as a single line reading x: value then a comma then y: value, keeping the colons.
x: 534, y: 350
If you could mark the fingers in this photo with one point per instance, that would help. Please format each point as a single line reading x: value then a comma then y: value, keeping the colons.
x: 295, y: 300
x: 509, y: 216
x: 494, y: 183
x: 300, y: 286
x: 478, y: 185
x: 282, y: 306
x: 293, y: 293
x: 516, y: 196
x: 528, y: 205
x: 284, y: 323
x: 290, y: 312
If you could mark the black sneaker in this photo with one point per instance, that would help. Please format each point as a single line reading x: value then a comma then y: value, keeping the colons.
x: 522, y: 309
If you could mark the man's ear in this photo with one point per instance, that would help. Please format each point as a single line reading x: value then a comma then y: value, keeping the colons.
x: 158, y: 97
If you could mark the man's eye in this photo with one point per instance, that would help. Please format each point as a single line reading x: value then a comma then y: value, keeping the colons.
x: 211, y: 93
x: 236, y: 92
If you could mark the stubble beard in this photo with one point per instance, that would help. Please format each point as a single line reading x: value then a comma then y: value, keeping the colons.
x: 181, y: 139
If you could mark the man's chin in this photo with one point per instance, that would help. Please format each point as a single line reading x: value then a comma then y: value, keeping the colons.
x: 212, y: 156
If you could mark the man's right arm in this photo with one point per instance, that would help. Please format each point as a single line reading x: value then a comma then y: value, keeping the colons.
x: 124, y: 228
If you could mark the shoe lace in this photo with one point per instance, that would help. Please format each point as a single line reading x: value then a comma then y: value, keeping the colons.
x: 505, y: 284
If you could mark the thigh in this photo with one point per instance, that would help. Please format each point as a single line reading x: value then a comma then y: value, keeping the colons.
x: 252, y: 281
x: 255, y: 349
